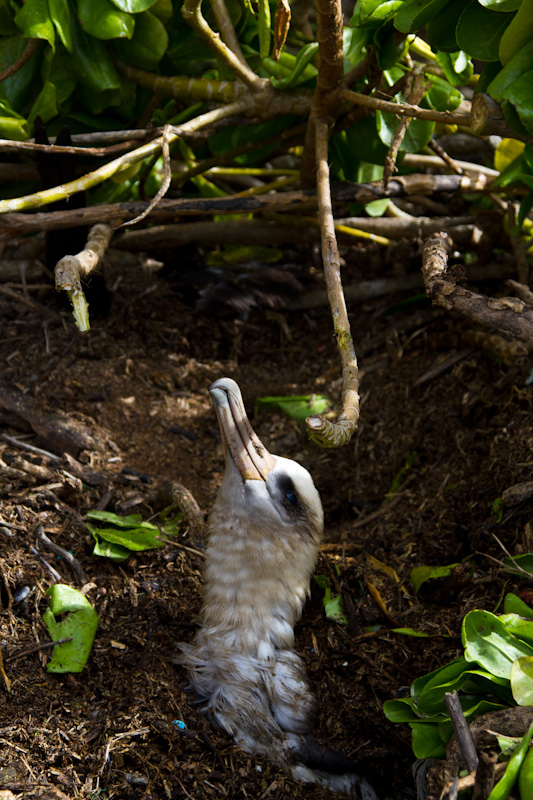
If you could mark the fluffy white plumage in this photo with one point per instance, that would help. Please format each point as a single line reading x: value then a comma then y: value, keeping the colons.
x: 263, y: 537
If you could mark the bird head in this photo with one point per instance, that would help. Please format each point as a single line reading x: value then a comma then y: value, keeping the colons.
x: 275, y: 493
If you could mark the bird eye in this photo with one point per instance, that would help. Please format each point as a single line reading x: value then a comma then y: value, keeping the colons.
x: 291, y: 497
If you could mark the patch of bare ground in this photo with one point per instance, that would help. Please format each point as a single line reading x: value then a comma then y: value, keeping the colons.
x: 432, y: 390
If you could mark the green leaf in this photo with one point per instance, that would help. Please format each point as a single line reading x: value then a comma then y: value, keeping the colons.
x: 34, y: 21
x: 419, y: 575
x: 378, y: 10
x: 146, y: 537
x: 520, y: 94
x: 401, y: 710
x: 443, y: 97
x: 522, y: 680
x: 148, y: 44
x: 133, y: 6
x: 15, y: 128
x: 335, y: 610
x: 80, y: 623
x: 115, y: 552
x: 501, y: 5
x: 91, y: 62
x: 488, y: 643
x: 18, y: 90
x: 59, y: 66
x: 130, y: 521
x: 440, y: 31
x: 426, y: 740
x: 60, y: 16
x: 302, y: 71
x: 416, y: 138
x: 417, y: 13
x: 45, y: 104
x: 457, y: 67
x: 7, y: 19
x: 101, y: 19
x: 525, y: 561
x: 297, y: 406
x: 411, y: 632
x: 519, y: 626
x: 519, y: 64
x: 479, y: 31
x: 263, y: 24
x: 514, y: 605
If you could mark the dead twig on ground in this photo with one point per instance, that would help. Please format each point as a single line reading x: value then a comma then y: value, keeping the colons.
x: 73, y: 563
x: 507, y: 314
x: 70, y: 269
x: 36, y: 648
x: 462, y: 731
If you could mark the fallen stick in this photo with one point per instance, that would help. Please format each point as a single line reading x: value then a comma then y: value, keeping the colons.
x: 507, y: 314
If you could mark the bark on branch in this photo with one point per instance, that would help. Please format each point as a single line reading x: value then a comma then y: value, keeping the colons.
x: 322, y: 430
x: 507, y: 314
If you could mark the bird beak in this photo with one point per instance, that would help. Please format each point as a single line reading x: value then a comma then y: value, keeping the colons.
x: 249, y: 455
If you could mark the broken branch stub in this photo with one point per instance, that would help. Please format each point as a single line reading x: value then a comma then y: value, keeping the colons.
x: 70, y: 269
x: 507, y: 314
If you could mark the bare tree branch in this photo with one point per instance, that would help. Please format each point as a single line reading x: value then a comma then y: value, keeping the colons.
x: 507, y: 314
x: 322, y: 430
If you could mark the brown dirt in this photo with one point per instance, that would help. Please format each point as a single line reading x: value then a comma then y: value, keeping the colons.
x: 139, y: 382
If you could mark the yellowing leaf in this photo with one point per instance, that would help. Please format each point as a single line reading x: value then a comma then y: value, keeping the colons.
x: 507, y: 151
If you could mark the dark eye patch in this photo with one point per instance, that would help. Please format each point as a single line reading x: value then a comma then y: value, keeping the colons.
x: 289, y: 495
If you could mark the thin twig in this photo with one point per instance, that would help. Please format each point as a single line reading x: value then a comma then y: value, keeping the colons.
x: 227, y: 31
x: 29, y: 447
x: 73, y: 563
x: 443, y: 155
x: 36, y: 648
x: 29, y: 50
x: 320, y: 429
x: 54, y: 573
x: 163, y: 189
x: 191, y: 11
x: 416, y: 90
x: 127, y: 159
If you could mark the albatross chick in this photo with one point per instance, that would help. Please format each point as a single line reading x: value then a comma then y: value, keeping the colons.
x: 263, y: 537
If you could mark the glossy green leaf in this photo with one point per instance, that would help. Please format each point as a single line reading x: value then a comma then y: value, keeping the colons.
x: 520, y: 627
x: 163, y: 10
x: 80, y: 623
x: 520, y: 94
x: 443, y: 97
x: 114, y: 552
x: 302, y: 70
x: 457, y: 67
x: 148, y: 44
x: 440, y: 31
x: 34, y: 21
x: 335, y: 610
x: 14, y: 128
x: 501, y: 5
x: 60, y: 16
x: 58, y: 65
x: 18, y: 90
x: 479, y: 31
x: 354, y: 46
x: 411, y: 632
x: 7, y: 19
x: 488, y: 643
x: 401, y: 710
x: 91, y: 62
x: 45, y: 105
x: 419, y: 575
x: 439, y: 677
x: 146, y: 537
x: 378, y: 10
x: 417, y: 13
x: 417, y: 135
x: 133, y: 6
x: 519, y: 64
x: 426, y: 740
x: 512, y: 604
x: 525, y: 561
x: 129, y: 521
x: 522, y: 680
x: 103, y: 20
x: 298, y: 406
